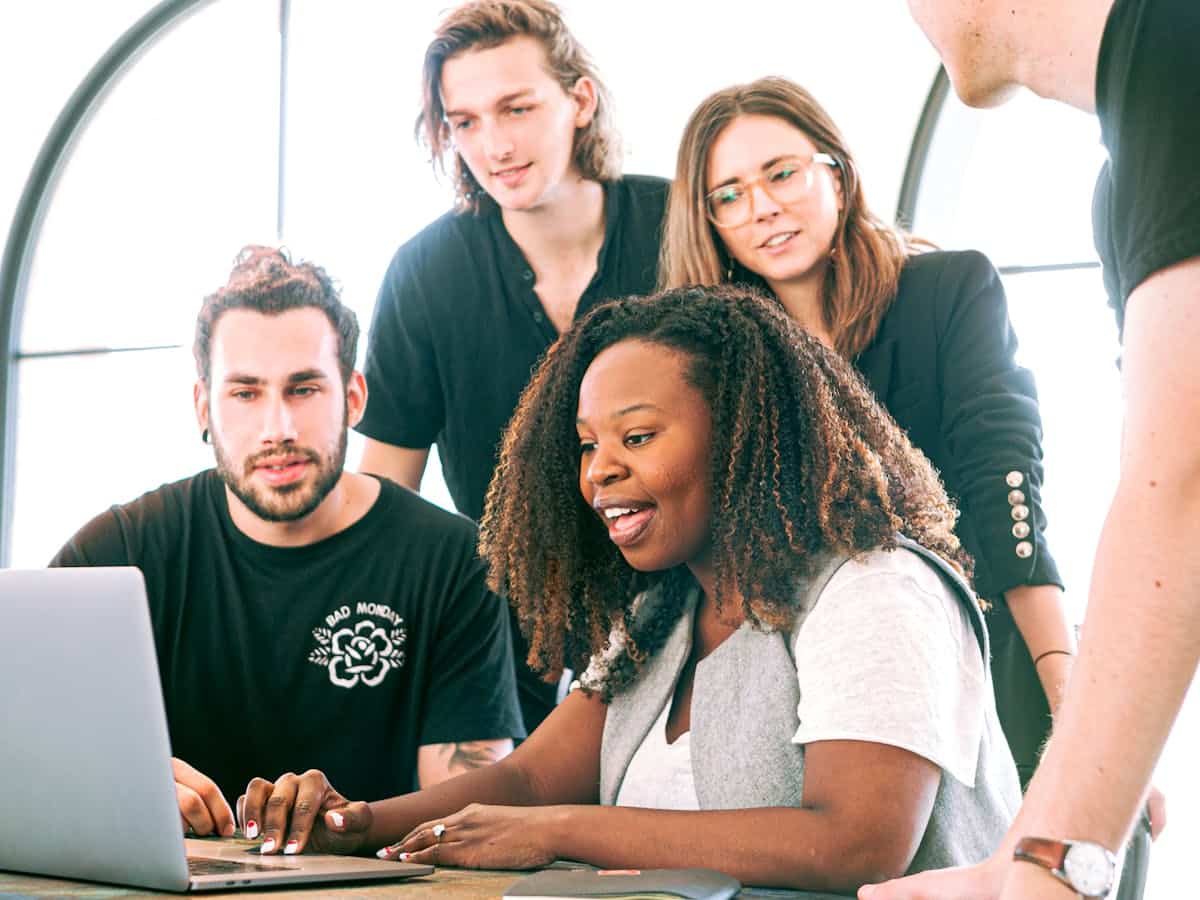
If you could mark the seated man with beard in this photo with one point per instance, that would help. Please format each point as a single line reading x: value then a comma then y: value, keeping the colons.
x: 305, y: 616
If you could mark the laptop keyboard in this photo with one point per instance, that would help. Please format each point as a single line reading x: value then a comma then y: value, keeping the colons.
x: 199, y: 865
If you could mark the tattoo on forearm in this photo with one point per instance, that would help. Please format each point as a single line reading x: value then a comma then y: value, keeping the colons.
x: 469, y: 755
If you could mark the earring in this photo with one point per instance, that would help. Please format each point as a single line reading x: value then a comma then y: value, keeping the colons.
x: 729, y: 273
x: 204, y: 436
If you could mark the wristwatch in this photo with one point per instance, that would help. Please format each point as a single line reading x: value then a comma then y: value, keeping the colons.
x: 1083, y: 866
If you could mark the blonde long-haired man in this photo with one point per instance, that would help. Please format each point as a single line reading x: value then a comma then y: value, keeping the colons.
x: 545, y: 228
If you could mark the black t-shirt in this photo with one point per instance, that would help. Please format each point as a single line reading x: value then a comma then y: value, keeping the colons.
x: 1146, y: 209
x: 458, y: 329
x: 344, y: 655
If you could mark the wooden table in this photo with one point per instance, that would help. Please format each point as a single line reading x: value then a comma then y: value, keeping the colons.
x: 446, y: 883
x: 459, y: 884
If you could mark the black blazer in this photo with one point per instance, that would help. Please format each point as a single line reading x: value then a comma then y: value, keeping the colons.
x: 942, y: 363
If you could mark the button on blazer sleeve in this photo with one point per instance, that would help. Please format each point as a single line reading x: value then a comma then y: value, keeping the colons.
x: 992, y: 427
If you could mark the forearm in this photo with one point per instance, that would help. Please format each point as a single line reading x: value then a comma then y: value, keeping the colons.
x: 1137, y: 658
x: 503, y: 783
x: 441, y: 762
x: 403, y: 465
x: 772, y: 847
x: 1041, y: 618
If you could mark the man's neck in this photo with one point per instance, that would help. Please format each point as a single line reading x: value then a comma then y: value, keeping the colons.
x: 351, y: 498
x: 566, y: 227
x: 1053, y: 48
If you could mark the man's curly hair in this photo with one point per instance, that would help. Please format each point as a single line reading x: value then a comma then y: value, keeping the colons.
x: 804, y: 462
x: 265, y: 280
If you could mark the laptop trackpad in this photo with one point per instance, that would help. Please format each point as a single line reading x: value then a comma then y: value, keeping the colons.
x: 200, y: 865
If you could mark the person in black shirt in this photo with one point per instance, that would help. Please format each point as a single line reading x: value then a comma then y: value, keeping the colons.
x: 304, y: 616
x: 544, y: 229
x: 1135, y: 64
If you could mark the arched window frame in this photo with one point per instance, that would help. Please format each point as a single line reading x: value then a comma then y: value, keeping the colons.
x: 38, y: 194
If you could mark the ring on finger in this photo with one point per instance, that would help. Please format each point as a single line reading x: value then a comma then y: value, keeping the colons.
x: 438, y: 830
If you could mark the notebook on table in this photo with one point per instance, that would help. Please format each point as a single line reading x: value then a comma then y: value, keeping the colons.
x: 85, y: 757
x: 652, y: 883
x: 631, y: 884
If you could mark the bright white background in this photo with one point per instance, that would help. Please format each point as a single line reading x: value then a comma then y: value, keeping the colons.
x: 178, y: 170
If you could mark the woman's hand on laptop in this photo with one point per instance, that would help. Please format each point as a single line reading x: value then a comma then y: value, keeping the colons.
x: 202, y: 807
x: 307, y: 810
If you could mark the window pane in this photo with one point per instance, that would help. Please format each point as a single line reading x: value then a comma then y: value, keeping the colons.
x: 46, y: 61
x: 353, y: 95
x: 93, y: 431
x: 174, y: 173
x: 1081, y: 408
x: 1015, y: 182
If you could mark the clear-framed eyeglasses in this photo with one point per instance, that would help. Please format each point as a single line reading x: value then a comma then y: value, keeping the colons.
x: 787, y: 181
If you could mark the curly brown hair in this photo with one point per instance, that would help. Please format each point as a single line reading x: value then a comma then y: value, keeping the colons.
x: 265, y: 280
x: 804, y: 462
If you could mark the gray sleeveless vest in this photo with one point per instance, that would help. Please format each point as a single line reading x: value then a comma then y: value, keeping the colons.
x: 744, y: 713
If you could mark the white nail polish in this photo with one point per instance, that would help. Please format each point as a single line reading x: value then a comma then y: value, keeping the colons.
x: 291, y: 848
x: 267, y: 846
x: 339, y: 820
x: 403, y: 857
x: 251, y: 830
x: 384, y: 852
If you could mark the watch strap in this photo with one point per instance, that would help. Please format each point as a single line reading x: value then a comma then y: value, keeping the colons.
x: 1044, y: 852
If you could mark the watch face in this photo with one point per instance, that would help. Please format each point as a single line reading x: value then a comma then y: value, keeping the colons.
x: 1089, y: 868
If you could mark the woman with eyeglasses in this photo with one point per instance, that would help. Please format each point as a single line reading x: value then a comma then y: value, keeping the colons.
x: 767, y: 193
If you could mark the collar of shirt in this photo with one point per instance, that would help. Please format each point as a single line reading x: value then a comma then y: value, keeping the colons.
x: 519, y: 275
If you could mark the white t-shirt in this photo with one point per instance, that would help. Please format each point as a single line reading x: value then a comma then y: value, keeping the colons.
x: 887, y: 655
x: 660, y: 774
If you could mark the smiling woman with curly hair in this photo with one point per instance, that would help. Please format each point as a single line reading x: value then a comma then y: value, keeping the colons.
x: 787, y: 676
x: 803, y: 461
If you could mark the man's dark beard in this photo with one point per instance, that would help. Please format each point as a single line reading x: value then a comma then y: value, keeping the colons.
x: 329, y: 470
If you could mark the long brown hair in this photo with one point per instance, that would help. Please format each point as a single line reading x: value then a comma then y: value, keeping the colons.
x: 483, y: 24
x: 803, y: 462
x: 867, y: 253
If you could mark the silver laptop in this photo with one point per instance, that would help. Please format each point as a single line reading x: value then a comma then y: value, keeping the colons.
x: 85, y: 768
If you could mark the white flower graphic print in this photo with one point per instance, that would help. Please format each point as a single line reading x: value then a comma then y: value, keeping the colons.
x: 362, y: 653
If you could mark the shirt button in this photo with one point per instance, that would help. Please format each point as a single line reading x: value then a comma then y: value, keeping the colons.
x: 537, y: 317
x: 1020, y: 512
x: 1024, y: 550
x: 1020, y: 530
x: 527, y: 274
x: 1014, y: 479
x: 1015, y: 497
